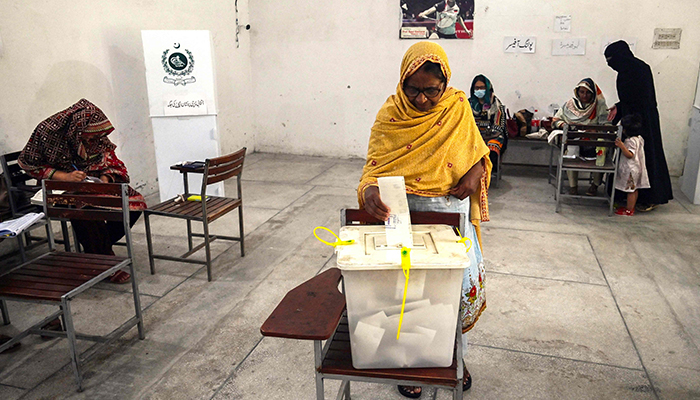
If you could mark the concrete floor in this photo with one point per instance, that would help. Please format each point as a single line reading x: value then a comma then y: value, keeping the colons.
x: 580, y: 305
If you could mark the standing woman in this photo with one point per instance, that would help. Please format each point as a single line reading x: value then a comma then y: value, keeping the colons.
x: 490, y: 117
x: 635, y: 88
x: 70, y: 146
x: 426, y: 133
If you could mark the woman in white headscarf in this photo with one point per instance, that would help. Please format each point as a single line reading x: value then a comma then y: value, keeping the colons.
x: 587, y: 107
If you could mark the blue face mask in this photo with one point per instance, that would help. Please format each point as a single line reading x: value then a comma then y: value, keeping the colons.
x: 480, y: 93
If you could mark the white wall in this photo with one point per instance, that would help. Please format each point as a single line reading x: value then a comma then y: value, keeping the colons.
x: 56, y: 52
x: 322, y: 70
x: 309, y: 77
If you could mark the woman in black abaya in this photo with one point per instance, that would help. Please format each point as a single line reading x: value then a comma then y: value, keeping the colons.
x: 635, y: 89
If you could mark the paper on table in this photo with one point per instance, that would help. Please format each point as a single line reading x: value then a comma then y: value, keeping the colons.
x: 16, y: 226
x: 392, y: 190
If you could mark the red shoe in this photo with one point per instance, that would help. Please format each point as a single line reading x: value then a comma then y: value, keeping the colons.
x: 624, y: 211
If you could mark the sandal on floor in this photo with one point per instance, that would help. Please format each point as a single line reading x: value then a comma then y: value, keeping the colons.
x: 624, y: 211
x: 592, y: 190
x: 11, y: 349
x: 467, y: 382
x: 53, y: 325
x: 120, y: 277
x: 646, y: 207
x: 410, y: 391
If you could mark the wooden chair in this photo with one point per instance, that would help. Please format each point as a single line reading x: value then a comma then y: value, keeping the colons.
x: 19, y: 192
x: 59, y: 277
x: 315, y: 310
x: 589, y: 136
x: 205, y: 211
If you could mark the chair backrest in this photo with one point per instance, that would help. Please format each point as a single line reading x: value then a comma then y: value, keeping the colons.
x: 352, y: 216
x: 591, y: 135
x: 16, y: 182
x: 222, y: 168
x: 88, y: 201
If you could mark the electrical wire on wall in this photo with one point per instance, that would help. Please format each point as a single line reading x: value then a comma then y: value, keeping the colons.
x: 238, y: 27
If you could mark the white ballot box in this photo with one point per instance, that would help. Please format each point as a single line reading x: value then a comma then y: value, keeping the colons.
x: 374, y: 291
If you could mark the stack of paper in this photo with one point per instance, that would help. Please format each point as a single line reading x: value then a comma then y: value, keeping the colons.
x: 375, y: 344
x: 16, y: 226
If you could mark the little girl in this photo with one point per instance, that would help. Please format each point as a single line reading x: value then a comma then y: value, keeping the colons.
x: 632, y: 171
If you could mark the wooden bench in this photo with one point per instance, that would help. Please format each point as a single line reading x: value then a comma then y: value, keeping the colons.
x: 57, y: 277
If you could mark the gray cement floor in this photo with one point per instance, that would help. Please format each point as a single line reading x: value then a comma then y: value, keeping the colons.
x: 580, y: 305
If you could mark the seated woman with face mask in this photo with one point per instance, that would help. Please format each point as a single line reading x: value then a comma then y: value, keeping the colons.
x: 490, y: 117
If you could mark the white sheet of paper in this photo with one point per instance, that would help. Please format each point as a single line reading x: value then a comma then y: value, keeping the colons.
x: 569, y: 47
x: 392, y: 190
x: 519, y: 44
x: 562, y: 23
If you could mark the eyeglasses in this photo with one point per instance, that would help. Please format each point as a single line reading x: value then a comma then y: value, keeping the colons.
x: 429, y: 92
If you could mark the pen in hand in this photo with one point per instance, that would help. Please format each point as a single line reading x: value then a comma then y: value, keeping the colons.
x: 75, y: 176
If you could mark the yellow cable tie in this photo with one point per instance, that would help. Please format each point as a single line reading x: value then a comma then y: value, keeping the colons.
x: 463, y: 240
x: 337, y: 242
x: 406, y: 267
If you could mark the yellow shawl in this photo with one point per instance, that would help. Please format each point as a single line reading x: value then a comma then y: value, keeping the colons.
x: 432, y: 149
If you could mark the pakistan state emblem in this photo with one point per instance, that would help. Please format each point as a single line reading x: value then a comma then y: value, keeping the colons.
x: 178, y: 64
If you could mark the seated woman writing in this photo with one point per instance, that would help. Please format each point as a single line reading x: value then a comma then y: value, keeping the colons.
x: 587, y: 107
x: 426, y: 133
x: 72, y: 145
x: 490, y: 117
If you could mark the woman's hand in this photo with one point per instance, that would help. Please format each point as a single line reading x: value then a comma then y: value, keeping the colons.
x: 74, y: 176
x: 612, y: 113
x: 470, y: 182
x: 374, y: 205
x: 105, y: 179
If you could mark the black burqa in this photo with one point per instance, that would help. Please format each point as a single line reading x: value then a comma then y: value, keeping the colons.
x: 635, y: 89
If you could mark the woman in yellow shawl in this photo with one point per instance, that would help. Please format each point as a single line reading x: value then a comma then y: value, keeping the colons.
x: 427, y: 134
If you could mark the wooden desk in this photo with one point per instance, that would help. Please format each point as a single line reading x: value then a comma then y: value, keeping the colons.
x: 315, y: 310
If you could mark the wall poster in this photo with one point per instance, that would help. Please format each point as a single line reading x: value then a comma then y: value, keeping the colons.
x: 437, y: 19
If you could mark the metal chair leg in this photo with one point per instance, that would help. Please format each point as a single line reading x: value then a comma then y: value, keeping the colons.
x: 498, y: 173
x: 458, y: 392
x: 240, y: 229
x: 318, y: 355
x: 207, y: 247
x: 189, y: 235
x: 549, y: 167
x: 5, y: 313
x: 149, y: 243
x: 137, y: 300
x: 66, y: 236
x: 78, y: 249
x: 612, y: 198
x: 70, y: 334
x: 558, y: 192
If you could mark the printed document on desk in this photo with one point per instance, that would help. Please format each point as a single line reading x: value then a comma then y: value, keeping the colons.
x: 14, y: 227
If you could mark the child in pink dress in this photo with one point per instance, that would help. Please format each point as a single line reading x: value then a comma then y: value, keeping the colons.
x: 632, y: 171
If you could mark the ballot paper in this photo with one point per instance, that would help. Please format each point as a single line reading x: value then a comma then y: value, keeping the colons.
x: 375, y: 344
x: 392, y: 190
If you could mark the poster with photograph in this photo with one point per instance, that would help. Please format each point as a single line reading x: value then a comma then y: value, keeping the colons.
x: 437, y: 19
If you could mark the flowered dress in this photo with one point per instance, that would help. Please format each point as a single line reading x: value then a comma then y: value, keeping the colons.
x: 632, y: 172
